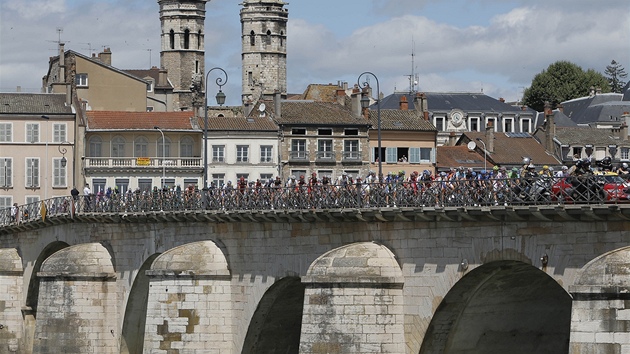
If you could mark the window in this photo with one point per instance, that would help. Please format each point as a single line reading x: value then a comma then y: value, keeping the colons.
x: 6, y: 172
x: 244, y: 175
x: 118, y: 147
x: 625, y: 153
x: 420, y: 155
x: 264, y: 177
x: 5, y: 202
x: 325, y: 148
x: 199, y: 41
x: 96, y: 144
x: 526, y: 125
x: 268, y: 38
x: 351, y: 149
x: 577, y: 151
x: 327, y: 131
x: 59, y: 174
x: 281, y: 38
x: 352, y: 132
x: 171, y: 39
x: 242, y: 153
x: 491, y: 121
x: 186, y: 39
x: 298, y: 131
x: 391, y: 155
x: 298, y: 148
x: 81, y: 80
x: 218, y: 153
x: 439, y: 123
x: 123, y: 185
x: 145, y: 184
x: 32, y: 200
x: 150, y: 86
x: 32, y: 172
x: 140, y: 147
x: 508, y: 125
x: 190, y: 182
x: 32, y: 132
x: 149, y: 108
x: 164, y: 148
x: 59, y: 132
x: 298, y: 173
x: 6, y: 135
x: 186, y: 147
x: 474, y: 124
x: 252, y: 38
x: 250, y: 78
x: 218, y: 179
x: 266, y: 153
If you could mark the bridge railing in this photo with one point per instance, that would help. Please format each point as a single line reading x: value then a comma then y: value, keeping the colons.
x: 435, y: 193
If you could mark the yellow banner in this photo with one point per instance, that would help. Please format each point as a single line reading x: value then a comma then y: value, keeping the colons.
x: 143, y: 161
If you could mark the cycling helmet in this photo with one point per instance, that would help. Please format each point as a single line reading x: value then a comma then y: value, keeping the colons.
x: 545, y: 167
x: 624, y: 165
x: 426, y: 172
x: 495, y: 168
x: 526, y: 160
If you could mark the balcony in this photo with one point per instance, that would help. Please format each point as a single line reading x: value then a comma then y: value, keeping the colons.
x: 108, y: 164
x: 325, y: 157
x: 298, y: 157
x: 351, y: 157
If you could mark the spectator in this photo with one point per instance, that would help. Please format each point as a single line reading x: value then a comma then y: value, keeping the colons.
x: 14, y: 212
x: 87, y: 196
x: 74, y: 193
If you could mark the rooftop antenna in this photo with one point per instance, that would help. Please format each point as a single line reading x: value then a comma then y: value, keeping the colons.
x: 58, y: 41
x: 89, y: 48
x: 413, y: 78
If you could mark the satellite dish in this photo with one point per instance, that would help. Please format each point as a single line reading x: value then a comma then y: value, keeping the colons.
x: 262, y: 107
x: 471, y: 145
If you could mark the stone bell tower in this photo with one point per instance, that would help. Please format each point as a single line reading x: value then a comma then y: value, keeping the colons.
x: 182, y: 49
x: 264, y: 40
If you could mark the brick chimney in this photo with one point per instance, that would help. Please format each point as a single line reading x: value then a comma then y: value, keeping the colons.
x: 162, y: 78
x: 501, y: 99
x: 341, y: 96
x: 490, y: 137
x: 404, y: 105
x: 356, y: 101
x: 106, y: 56
x: 421, y: 104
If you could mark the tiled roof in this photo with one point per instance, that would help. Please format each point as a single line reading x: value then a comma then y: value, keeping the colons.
x: 587, y: 135
x: 239, y: 124
x: 119, y: 120
x: 317, y: 113
x: 321, y: 93
x: 395, y: 119
x: 153, y: 73
x: 455, y: 156
x: 509, y: 149
x: 34, y: 103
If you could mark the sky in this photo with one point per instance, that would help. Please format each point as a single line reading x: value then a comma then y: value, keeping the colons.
x: 494, y: 46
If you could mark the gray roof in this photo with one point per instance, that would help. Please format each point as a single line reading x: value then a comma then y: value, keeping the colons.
x: 561, y: 120
x: 597, y: 108
x: 34, y: 103
x: 443, y: 101
x: 588, y: 135
x: 626, y: 92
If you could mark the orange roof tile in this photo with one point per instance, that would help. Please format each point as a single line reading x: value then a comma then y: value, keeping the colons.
x: 119, y: 120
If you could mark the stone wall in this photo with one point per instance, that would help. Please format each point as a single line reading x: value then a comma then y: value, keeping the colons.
x: 11, y: 323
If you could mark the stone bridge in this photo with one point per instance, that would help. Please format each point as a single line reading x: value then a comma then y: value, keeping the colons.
x: 529, y: 279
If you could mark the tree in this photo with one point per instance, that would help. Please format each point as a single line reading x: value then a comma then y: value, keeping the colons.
x: 615, y: 73
x: 562, y: 81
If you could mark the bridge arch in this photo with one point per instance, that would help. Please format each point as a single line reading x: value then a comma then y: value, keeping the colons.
x: 501, y: 307
x: 276, y: 323
x: 190, y: 300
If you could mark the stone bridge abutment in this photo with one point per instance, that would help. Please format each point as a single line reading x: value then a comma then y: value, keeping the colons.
x: 436, y: 286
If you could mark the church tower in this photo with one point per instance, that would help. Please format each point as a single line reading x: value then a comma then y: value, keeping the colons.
x: 264, y: 39
x: 182, y: 49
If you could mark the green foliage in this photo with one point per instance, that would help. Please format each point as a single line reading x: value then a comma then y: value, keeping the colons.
x: 562, y: 81
x: 615, y: 73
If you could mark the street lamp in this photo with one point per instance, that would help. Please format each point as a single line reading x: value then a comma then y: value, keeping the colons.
x: 220, y: 101
x: 64, y: 161
x: 365, y: 103
x: 163, y: 156
x: 485, y: 154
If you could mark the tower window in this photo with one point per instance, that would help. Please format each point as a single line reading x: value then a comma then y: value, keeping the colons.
x: 268, y: 37
x: 250, y: 78
x: 281, y: 38
x: 187, y: 39
x: 171, y: 38
x: 252, y: 38
x: 199, y: 40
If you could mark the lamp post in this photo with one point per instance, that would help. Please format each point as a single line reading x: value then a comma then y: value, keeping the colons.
x: 220, y: 101
x: 485, y: 154
x: 365, y: 103
x: 64, y: 161
x: 163, y: 156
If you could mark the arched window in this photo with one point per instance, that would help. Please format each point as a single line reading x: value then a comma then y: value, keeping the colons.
x: 186, y: 147
x: 171, y: 39
x: 118, y: 147
x: 281, y: 38
x: 268, y: 37
x: 199, y: 37
x: 163, y: 148
x: 140, y: 147
x: 187, y: 39
x: 96, y: 145
x: 252, y: 38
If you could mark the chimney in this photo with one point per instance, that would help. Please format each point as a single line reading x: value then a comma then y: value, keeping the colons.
x: 356, y: 101
x: 501, y: 99
x: 341, y: 96
x: 550, y: 127
x: 162, y: 78
x: 452, y: 139
x: 277, y: 102
x: 591, y: 92
x: 404, y: 105
x: 598, y: 91
x: 490, y: 137
x: 106, y: 56
x: 560, y: 107
x: 62, y: 63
